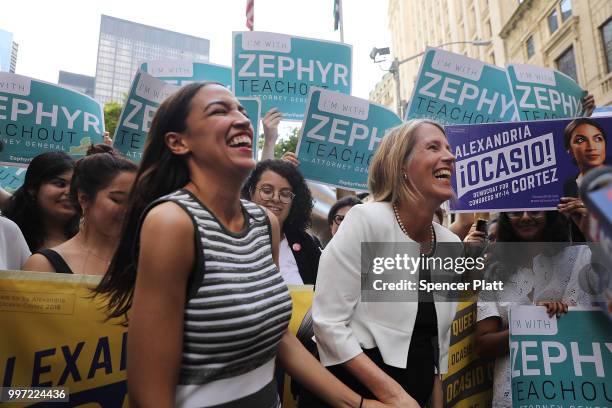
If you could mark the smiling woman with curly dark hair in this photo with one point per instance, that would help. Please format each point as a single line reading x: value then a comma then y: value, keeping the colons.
x: 281, y: 188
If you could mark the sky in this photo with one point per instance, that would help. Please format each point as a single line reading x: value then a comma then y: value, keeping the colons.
x: 63, y: 34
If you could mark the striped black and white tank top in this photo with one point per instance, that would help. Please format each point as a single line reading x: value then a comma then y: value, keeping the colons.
x: 238, y: 308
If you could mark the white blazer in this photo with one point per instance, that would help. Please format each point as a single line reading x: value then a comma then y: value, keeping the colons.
x: 344, y: 325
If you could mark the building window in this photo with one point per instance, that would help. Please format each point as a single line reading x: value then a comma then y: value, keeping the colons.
x: 606, y: 36
x: 553, y: 22
x: 530, y: 47
x: 566, y: 9
x: 566, y: 63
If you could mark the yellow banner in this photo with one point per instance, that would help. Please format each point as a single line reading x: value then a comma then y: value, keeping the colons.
x: 301, y: 295
x: 54, y: 335
x: 469, y: 381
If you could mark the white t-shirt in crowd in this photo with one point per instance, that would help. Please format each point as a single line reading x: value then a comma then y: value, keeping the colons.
x: 14, y: 250
x: 288, y: 267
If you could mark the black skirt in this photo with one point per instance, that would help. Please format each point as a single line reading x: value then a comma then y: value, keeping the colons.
x: 417, y: 378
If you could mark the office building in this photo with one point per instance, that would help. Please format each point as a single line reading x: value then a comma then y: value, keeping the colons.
x: 8, y: 52
x: 572, y: 36
x: 124, y: 45
x: 80, y: 83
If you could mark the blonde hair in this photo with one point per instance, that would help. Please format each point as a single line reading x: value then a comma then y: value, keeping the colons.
x: 385, y: 178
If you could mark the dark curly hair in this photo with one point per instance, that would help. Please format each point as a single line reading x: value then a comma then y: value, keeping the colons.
x: 23, y: 206
x: 556, y: 229
x: 301, y: 207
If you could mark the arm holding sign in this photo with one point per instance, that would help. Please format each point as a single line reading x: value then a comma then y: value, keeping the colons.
x: 554, y: 307
x: 462, y: 224
x: 575, y: 209
x: 291, y: 158
x: 270, y: 125
x: 491, y: 339
x: 588, y: 105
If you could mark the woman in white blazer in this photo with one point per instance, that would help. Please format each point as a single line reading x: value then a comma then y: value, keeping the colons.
x: 391, y: 351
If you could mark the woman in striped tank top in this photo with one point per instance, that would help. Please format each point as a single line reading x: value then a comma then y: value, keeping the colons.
x: 196, y: 269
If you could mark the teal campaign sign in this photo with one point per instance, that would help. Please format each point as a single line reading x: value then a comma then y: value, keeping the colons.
x: 253, y: 109
x: 543, y: 93
x: 560, y: 362
x: 280, y: 69
x: 38, y: 117
x: 339, y: 137
x: 11, y: 178
x: 454, y: 89
x: 182, y: 72
x: 146, y: 94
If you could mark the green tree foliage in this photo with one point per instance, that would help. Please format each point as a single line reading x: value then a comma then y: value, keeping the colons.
x: 288, y: 144
x: 112, y: 110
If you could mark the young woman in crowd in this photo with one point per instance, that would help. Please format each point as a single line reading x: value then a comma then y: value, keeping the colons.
x: 196, y: 268
x: 41, y: 207
x: 280, y: 187
x: 544, y: 270
x: 99, y: 190
x: 386, y: 350
x: 338, y: 211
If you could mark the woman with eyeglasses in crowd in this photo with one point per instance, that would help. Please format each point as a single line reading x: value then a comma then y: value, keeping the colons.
x: 338, y: 211
x: 544, y: 270
x: 280, y: 187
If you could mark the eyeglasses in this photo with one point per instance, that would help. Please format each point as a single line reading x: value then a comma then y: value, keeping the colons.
x: 531, y: 214
x: 338, y: 219
x: 285, y: 196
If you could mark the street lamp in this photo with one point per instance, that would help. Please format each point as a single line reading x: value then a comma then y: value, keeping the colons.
x: 394, y: 68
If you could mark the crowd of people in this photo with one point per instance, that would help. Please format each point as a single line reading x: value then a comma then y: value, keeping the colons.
x: 196, y: 246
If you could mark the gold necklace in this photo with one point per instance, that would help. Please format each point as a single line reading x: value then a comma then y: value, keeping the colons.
x: 403, y: 228
x: 90, y: 252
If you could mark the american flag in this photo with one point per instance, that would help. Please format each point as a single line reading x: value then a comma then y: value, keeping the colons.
x: 250, y: 11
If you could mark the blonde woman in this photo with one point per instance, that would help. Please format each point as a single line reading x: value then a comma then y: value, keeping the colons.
x: 391, y: 351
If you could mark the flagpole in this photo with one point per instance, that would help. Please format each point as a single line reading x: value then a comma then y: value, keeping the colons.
x: 341, y: 192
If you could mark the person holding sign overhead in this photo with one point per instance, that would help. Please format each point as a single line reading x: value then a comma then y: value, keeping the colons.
x: 196, y: 269
x: 392, y: 351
